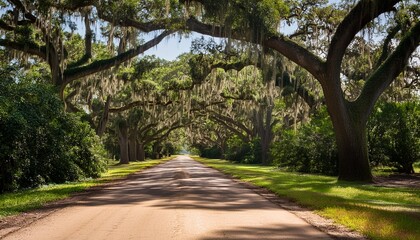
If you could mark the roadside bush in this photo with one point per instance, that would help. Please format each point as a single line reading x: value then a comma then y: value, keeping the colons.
x: 311, y: 149
x: 243, y: 152
x: 394, y: 135
x: 148, y: 151
x: 209, y: 152
x: 168, y: 149
x: 237, y: 150
x: 39, y: 142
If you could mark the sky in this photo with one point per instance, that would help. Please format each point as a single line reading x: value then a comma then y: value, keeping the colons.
x: 170, y: 47
x: 173, y: 46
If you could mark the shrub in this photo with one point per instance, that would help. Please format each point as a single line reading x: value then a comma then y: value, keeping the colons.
x: 209, y: 152
x: 311, y: 149
x: 394, y: 135
x: 243, y: 152
x: 168, y: 149
x: 39, y: 142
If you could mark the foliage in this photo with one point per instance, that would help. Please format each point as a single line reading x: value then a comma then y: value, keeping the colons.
x: 110, y: 143
x: 209, y: 152
x: 254, y: 18
x: 339, y: 43
x: 243, y: 152
x: 394, y: 210
x: 148, y: 149
x: 311, y: 149
x: 152, y: 105
x: 168, y: 149
x: 394, y: 135
x: 393, y: 140
x: 39, y: 143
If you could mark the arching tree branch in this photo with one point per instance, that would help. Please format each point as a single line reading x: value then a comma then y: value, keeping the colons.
x: 25, y: 12
x: 27, y: 47
x: 88, y: 43
x: 5, y: 26
x: 389, y: 69
x: 297, y: 54
x: 385, y: 47
x: 238, y: 124
x: 137, y: 104
x: 100, y: 65
x: 363, y: 13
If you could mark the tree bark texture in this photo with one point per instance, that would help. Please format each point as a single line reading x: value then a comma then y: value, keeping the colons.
x: 123, y: 142
x: 104, y: 119
x: 262, y: 123
x: 350, y: 132
x: 141, y: 155
x: 132, y: 145
x: 352, y: 150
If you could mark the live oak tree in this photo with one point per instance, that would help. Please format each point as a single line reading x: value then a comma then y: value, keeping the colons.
x: 199, y: 97
x: 253, y: 101
x: 349, y: 117
x: 41, y: 144
x: 153, y: 102
x: 163, y: 89
x: 245, y: 106
x: 253, y: 22
x: 36, y: 29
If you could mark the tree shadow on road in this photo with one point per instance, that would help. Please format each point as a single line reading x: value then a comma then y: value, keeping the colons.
x: 280, y: 231
x: 193, y: 187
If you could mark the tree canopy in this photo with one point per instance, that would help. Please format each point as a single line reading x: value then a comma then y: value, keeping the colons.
x: 344, y: 55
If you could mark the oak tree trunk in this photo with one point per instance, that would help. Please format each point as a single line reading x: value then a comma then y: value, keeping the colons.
x: 156, y: 151
x: 141, y: 155
x: 100, y: 130
x: 265, y: 150
x: 132, y: 147
x: 264, y: 131
x: 350, y: 132
x: 123, y: 142
x: 352, y: 151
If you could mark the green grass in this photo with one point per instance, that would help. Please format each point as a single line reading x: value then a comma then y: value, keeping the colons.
x: 383, y: 171
x: 377, y: 212
x: 22, y: 201
x: 387, y: 171
x: 416, y: 167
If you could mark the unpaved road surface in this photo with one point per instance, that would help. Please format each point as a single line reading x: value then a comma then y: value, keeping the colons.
x: 181, y: 199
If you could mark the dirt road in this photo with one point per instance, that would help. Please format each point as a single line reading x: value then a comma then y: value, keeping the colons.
x: 180, y: 199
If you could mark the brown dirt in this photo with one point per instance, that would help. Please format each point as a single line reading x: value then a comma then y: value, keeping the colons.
x: 399, y: 180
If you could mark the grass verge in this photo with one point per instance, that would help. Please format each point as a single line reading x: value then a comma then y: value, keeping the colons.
x: 416, y: 167
x: 388, y: 171
x: 377, y: 212
x: 22, y: 201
